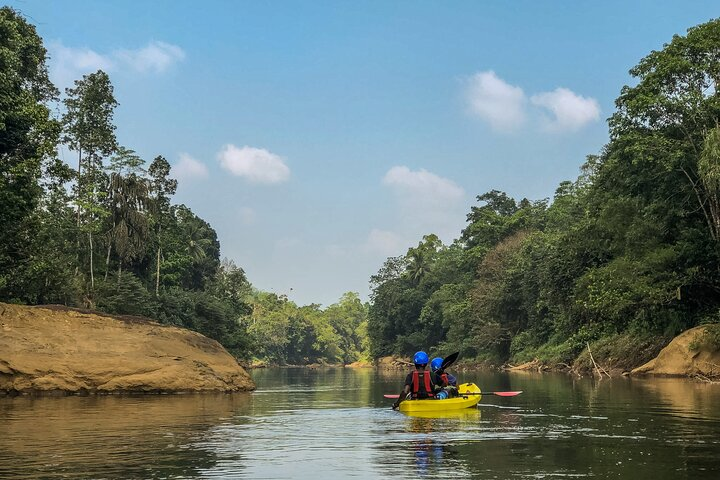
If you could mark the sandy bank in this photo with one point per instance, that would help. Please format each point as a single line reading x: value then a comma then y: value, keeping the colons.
x: 61, y: 350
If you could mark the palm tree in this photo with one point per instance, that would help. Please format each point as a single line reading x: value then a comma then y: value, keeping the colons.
x: 128, y: 198
x: 421, y: 257
x: 198, y: 241
x: 418, y: 266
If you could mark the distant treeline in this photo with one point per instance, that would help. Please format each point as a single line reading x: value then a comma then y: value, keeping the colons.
x: 626, y: 255
x: 106, y: 235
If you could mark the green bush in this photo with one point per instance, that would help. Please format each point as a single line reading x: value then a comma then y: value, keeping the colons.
x: 709, y: 339
x: 550, y: 353
x: 128, y: 296
x: 623, y: 351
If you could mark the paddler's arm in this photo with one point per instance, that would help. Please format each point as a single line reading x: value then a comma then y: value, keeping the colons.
x: 405, y: 392
x: 437, y: 381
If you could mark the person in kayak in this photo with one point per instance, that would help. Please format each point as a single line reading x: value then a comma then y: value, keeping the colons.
x: 418, y: 383
x: 446, y: 381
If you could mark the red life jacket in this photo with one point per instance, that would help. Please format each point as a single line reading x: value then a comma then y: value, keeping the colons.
x: 444, y: 380
x: 416, y: 393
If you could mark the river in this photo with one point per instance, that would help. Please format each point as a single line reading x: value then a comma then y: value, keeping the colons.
x: 335, y: 423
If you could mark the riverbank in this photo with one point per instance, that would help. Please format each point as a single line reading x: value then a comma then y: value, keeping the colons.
x: 694, y: 353
x: 61, y: 350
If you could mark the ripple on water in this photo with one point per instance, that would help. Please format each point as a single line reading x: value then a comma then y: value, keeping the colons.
x: 299, y: 426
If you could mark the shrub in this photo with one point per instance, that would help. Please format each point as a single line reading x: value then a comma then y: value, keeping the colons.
x: 709, y: 339
x: 621, y: 351
x: 128, y: 296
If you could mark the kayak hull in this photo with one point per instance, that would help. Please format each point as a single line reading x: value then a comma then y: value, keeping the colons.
x: 449, y: 404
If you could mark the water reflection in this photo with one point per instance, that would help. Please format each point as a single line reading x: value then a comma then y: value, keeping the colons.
x: 110, y: 436
x: 468, y: 415
x: 335, y: 423
x: 428, y: 456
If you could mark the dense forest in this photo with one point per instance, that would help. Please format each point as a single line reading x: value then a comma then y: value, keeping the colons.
x: 622, y: 258
x: 104, y: 234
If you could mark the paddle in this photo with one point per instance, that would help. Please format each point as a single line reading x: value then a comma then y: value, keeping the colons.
x: 449, y: 360
x: 499, y: 394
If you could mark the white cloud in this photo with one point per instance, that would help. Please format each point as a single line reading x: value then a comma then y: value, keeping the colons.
x: 155, y: 57
x: 68, y: 63
x: 427, y: 203
x: 188, y: 168
x: 384, y: 242
x: 256, y: 164
x: 422, y: 185
x: 570, y: 111
x: 495, y: 101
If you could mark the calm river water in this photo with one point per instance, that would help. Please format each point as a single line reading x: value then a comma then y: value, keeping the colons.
x: 335, y: 423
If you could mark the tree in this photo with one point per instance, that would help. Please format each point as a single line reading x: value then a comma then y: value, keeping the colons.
x: 268, y: 325
x: 231, y: 284
x: 498, y: 311
x: 192, y: 251
x: 162, y: 187
x: 128, y: 201
x: 421, y: 257
x: 346, y: 318
x: 663, y: 121
x: 89, y: 130
x: 127, y: 205
x: 709, y: 172
x: 391, y: 269
x: 28, y: 138
x: 500, y: 217
x: 390, y: 306
x: 126, y: 162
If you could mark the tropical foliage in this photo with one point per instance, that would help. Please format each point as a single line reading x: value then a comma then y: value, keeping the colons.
x: 627, y: 253
x: 629, y: 250
x: 105, y: 235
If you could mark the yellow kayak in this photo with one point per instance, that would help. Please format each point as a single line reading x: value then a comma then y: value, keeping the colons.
x: 454, y: 403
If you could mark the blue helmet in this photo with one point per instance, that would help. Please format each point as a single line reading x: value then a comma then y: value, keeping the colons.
x: 420, y: 358
x: 436, y: 364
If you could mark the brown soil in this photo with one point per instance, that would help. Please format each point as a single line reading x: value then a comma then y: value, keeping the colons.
x: 62, y: 350
x: 686, y: 355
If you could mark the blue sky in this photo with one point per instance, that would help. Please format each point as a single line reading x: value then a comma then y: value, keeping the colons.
x: 318, y: 138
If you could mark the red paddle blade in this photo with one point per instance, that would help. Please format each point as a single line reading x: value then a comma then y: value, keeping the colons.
x: 391, y: 396
x: 505, y: 394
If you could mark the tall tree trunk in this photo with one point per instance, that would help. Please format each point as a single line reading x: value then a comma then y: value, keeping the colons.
x: 107, y: 259
x: 78, y: 186
x: 77, y: 244
x: 157, y: 274
x: 119, y: 273
x: 92, y: 274
x: 701, y: 202
x: 157, y: 268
